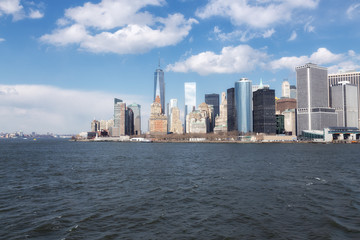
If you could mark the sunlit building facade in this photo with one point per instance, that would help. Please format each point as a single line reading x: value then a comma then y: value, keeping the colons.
x: 243, y: 103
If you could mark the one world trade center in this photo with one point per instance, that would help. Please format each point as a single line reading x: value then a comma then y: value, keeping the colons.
x: 159, y: 87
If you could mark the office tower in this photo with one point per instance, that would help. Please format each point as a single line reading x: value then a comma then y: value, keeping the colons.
x: 313, y: 112
x: 344, y: 98
x: 353, y: 77
x: 243, y: 103
x: 159, y: 87
x: 176, y: 125
x: 95, y: 126
x: 213, y: 99
x: 190, y: 99
x: 279, y: 118
x: 293, y: 91
x: 231, y: 110
x: 136, y: 108
x: 119, y: 118
x: 289, y: 121
x: 129, y: 122
x: 173, y: 103
x: 157, y: 121
x: 221, y: 120
x: 264, y: 111
x: 285, y: 89
x: 260, y: 86
x: 198, y: 121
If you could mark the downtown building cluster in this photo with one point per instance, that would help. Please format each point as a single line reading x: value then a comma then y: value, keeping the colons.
x: 319, y: 102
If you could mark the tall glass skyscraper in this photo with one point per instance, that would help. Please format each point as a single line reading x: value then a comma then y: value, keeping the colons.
x: 136, y: 108
x: 243, y: 102
x: 159, y: 87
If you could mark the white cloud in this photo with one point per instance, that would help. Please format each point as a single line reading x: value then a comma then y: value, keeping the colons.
x: 35, y: 14
x: 309, y: 27
x: 256, y: 14
x: 237, y: 59
x: 293, y: 36
x: 353, y: 10
x: 17, y: 10
x: 321, y: 56
x: 240, y: 35
x: 2, y: 40
x: 50, y: 109
x: 118, y: 27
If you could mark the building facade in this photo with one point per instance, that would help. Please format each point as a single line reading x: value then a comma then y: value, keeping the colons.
x: 293, y: 91
x: 176, y: 125
x: 264, y: 111
x: 157, y: 120
x: 313, y: 111
x: 243, y: 103
x: 136, y: 108
x: 159, y: 87
x: 285, y: 89
x: 213, y: 99
x: 344, y: 98
x: 172, y: 103
x: 231, y: 110
x: 119, y: 118
x: 284, y: 103
x: 352, y: 77
x: 221, y: 120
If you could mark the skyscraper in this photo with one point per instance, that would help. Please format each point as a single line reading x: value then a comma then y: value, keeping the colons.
x: 190, y: 98
x: 353, y: 77
x: 231, y: 110
x: 221, y: 124
x: 264, y: 111
x: 213, y: 99
x: 285, y: 89
x: 136, y: 108
x: 344, y: 98
x: 293, y: 91
x: 243, y: 103
x: 119, y: 118
x: 159, y: 87
x: 173, y: 103
x: 313, y: 112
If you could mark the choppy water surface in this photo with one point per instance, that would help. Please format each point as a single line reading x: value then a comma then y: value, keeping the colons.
x: 55, y: 189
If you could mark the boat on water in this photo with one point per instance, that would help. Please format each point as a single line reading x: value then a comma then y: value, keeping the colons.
x: 143, y: 140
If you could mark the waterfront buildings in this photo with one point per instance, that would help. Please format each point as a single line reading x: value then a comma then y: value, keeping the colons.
x: 157, y: 121
x: 190, y: 99
x: 344, y: 98
x: 352, y: 77
x: 289, y: 121
x: 159, y: 87
x: 136, y: 108
x: 313, y: 112
x: 119, y: 118
x: 221, y: 120
x: 173, y: 103
x: 213, y: 99
x: 176, y: 125
x: 285, y: 89
x: 129, y: 122
x: 198, y: 121
x: 231, y: 110
x: 243, y: 103
x: 264, y: 111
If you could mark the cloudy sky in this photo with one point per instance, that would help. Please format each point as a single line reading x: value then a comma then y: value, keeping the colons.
x: 62, y: 62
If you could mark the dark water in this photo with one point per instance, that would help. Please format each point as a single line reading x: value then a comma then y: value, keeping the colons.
x: 55, y: 189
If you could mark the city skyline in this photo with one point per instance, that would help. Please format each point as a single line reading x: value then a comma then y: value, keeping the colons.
x: 61, y: 67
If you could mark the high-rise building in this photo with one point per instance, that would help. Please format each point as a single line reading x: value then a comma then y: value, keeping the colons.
x: 198, y: 121
x: 129, y: 122
x: 231, y: 110
x: 353, y: 77
x: 344, y: 98
x: 159, y: 87
x: 264, y: 111
x: 243, y: 103
x: 157, y: 121
x: 213, y: 99
x: 176, y: 125
x: 285, y: 89
x: 190, y: 99
x: 221, y: 120
x: 173, y: 103
x: 313, y: 111
x: 136, y: 108
x: 283, y: 104
x: 293, y: 91
x: 119, y: 118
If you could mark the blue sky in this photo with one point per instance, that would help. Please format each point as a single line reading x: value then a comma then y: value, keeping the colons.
x: 62, y: 62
